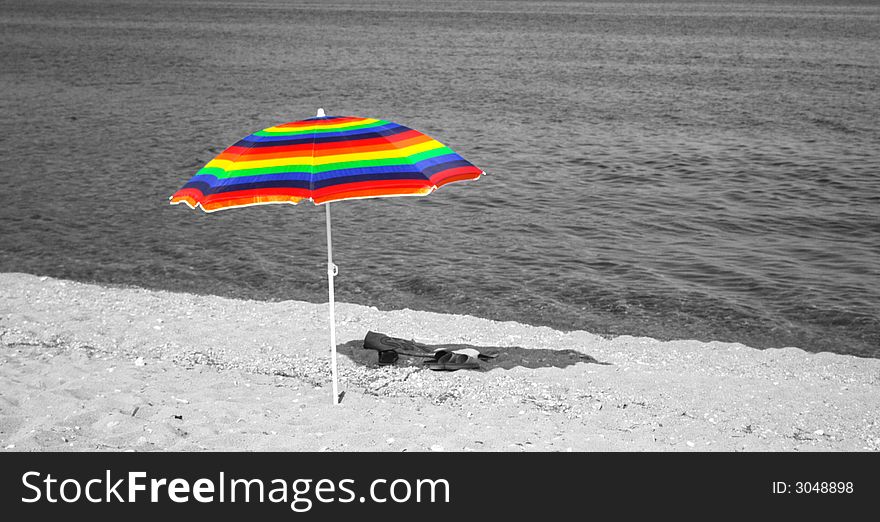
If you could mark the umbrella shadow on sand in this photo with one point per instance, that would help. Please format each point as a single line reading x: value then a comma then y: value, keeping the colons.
x: 507, y: 357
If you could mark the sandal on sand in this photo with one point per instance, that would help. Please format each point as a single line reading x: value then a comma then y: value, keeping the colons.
x: 387, y: 357
x: 447, y: 357
x: 445, y: 360
x: 390, y: 348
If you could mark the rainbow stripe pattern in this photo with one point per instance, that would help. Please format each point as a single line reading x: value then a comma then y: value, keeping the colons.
x: 323, y: 159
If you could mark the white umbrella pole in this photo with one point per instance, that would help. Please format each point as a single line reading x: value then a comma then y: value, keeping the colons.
x: 332, y: 270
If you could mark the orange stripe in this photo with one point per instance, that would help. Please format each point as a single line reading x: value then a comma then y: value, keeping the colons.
x: 468, y: 175
x: 241, y: 202
x: 192, y: 202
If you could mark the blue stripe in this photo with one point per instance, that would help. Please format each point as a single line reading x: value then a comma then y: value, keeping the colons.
x: 341, y: 173
x: 430, y: 171
x: 437, y: 160
x: 207, y: 190
x: 213, y: 181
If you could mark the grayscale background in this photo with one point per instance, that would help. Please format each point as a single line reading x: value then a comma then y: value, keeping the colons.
x: 674, y: 170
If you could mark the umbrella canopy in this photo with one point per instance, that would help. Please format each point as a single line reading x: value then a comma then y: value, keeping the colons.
x: 324, y: 159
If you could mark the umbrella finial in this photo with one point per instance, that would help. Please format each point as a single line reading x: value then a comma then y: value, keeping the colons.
x: 320, y: 113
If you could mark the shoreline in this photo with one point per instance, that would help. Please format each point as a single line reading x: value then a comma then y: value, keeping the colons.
x: 86, y: 367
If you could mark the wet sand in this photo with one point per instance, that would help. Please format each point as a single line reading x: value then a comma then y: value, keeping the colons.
x: 87, y: 367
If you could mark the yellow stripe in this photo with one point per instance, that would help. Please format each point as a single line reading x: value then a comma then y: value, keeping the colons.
x: 285, y: 130
x: 230, y: 166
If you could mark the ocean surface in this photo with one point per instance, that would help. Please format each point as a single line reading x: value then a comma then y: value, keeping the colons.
x: 669, y: 169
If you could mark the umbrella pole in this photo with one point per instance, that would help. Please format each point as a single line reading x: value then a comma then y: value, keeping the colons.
x: 332, y: 270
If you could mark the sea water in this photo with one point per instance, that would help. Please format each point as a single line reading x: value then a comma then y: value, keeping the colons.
x: 674, y: 170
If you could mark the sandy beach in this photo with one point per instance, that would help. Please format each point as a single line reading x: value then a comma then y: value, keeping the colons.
x: 87, y: 367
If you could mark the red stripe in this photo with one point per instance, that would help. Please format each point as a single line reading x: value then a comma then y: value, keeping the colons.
x: 373, y: 145
x: 370, y: 185
x: 405, y: 135
x: 253, y: 193
x: 353, y: 194
x: 196, y: 195
x: 456, y: 174
x: 190, y: 193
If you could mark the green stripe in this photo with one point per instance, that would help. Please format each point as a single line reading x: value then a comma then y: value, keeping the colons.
x: 219, y: 173
x: 215, y: 171
x: 263, y: 170
x: 428, y: 154
x: 277, y: 133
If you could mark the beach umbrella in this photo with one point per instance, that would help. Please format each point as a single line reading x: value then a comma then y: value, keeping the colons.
x: 324, y: 159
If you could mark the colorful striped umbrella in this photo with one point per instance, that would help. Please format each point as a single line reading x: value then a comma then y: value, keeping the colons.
x: 324, y: 159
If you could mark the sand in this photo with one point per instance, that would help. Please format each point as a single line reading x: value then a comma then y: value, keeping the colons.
x: 88, y: 367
